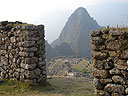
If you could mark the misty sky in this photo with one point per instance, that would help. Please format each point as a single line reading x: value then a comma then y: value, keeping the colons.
x: 54, y: 13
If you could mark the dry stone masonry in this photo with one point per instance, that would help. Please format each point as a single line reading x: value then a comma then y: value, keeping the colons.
x: 22, y: 49
x: 110, y: 61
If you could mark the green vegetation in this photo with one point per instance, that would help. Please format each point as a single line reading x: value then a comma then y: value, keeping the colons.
x: 57, y: 86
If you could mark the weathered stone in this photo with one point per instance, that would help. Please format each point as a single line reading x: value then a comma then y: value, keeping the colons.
x: 98, y: 48
x: 109, y: 64
x: 99, y: 64
x: 30, y: 66
x: 2, y: 52
x: 100, y: 73
x: 10, y: 47
x: 37, y: 71
x: 41, y: 65
x: 101, y: 93
x: 3, y: 61
x: 21, y: 45
x: 114, y: 45
x: 122, y: 65
x: 99, y: 55
x: 114, y: 88
x: 26, y: 54
x: 115, y: 33
x: 32, y: 38
x: 110, y: 58
x: 124, y: 54
x: 115, y: 71
x: 106, y: 81
x: 105, y: 36
x: 42, y: 79
x: 97, y: 84
x: 32, y: 60
x: 22, y: 65
x: 117, y: 94
x: 29, y: 44
x: 40, y: 42
x: 31, y: 49
x: 113, y: 53
x: 12, y: 39
x: 106, y: 31
x: 30, y: 74
x: 125, y: 74
x: 126, y: 91
x: 118, y: 79
x: 97, y: 41
x: 96, y: 33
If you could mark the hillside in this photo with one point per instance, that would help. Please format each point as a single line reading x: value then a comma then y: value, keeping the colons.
x: 57, y: 86
x: 74, y: 67
x: 76, y: 32
x: 63, y: 50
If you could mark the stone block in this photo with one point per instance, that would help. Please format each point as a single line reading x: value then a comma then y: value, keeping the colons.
x: 100, y: 73
x: 115, y: 71
x: 99, y: 55
x: 97, y: 41
x: 97, y: 84
x: 114, y: 45
x: 106, y: 81
x: 99, y: 64
x: 32, y: 60
x: 118, y: 79
x: 114, y: 88
x: 101, y: 93
x: 98, y: 48
x: 96, y: 33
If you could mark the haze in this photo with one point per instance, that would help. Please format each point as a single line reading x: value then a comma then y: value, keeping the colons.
x: 54, y: 13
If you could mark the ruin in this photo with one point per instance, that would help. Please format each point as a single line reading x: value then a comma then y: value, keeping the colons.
x: 110, y: 61
x: 22, y: 52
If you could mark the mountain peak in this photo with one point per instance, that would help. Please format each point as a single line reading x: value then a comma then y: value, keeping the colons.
x: 81, y: 8
x: 76, y: 32
x: 81, y: 11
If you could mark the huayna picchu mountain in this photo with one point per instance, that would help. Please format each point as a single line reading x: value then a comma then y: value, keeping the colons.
x: 76, y: 32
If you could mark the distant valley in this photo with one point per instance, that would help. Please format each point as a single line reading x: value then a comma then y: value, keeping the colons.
x: 71, y: 66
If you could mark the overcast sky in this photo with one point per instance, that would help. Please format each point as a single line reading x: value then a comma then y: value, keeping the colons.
x: 54, y: 13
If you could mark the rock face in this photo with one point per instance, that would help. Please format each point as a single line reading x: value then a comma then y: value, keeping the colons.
x: 76, y: 32
x: 50, y: 52
x: 22, y: 49
x: 110, y: 61
x: 64, y: 50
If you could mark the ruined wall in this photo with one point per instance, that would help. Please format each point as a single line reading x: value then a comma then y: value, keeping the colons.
x: 110, y: 61
x: 22, y: 49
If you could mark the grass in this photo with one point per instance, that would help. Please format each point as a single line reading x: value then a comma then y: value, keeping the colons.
x: 57, y: 86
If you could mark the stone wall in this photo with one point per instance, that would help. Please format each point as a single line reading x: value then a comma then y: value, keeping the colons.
x: 110, y: 61
x: 22, y: 49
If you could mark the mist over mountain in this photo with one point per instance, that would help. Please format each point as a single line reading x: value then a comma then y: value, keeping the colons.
x: 76, y: 32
